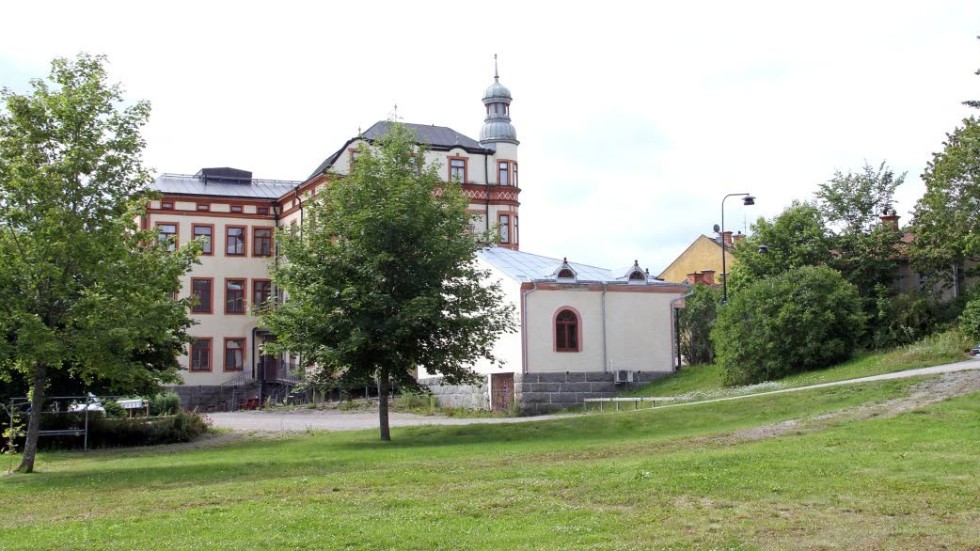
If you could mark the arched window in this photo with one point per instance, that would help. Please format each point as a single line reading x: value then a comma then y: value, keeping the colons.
x: 638, y: 276
x: 566, y: 331
x: 566, y: 273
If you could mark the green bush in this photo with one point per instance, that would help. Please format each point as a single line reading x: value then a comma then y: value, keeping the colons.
x: 113, y: 409
x: 801, y: 320
x: 695, y: 321
x: 167, y: 403
x: 105, y: 432
x: 970, y: 319
x: 902, y: 319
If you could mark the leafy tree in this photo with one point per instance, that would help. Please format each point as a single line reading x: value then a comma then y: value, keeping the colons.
x: 804, y: 319
x: 88, y: 297
x: 795, y: 238
x: 382, y: 280
x: 947, y: 217
x: 696, y: 320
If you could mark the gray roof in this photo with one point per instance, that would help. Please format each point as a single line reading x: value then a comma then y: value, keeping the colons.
x: 435, y: 137
x: 526, y: 267
x: 183, y: 184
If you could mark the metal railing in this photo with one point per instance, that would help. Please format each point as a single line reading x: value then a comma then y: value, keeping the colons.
x: 652, y: 400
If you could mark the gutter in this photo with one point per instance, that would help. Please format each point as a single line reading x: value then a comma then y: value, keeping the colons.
x: 524, y: 294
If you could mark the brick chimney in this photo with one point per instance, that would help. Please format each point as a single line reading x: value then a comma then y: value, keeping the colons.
x: 726, y: 237
x: 889, y: 219
x: 708, y: 276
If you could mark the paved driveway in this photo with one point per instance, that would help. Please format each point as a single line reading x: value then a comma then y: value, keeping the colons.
x: 302, y: 420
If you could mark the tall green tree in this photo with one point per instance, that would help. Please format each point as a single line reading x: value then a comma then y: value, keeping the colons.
x: 695, y: 321
x: 87, y: 295
x: 382, y: 278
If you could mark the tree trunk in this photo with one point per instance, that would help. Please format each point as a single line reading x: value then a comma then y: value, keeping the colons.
x: 34, y: 421
x: 384, y: 387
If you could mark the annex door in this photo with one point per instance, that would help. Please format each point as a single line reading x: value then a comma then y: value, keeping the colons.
x: 501, y: 391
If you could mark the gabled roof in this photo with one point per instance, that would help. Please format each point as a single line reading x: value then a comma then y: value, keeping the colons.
x: 439, y: 138
x: 680, y: 257
x: 526, y: 267
x: 183, y: 184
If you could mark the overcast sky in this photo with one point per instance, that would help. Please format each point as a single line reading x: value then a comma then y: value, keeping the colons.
x: 635, y: 119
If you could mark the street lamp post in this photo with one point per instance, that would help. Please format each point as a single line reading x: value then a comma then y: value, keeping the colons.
x: 747, y: 200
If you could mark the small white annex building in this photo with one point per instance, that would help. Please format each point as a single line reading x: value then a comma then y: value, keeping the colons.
x: 584, y: 332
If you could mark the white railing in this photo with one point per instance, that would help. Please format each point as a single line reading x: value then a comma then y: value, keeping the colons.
x: 652, y: 400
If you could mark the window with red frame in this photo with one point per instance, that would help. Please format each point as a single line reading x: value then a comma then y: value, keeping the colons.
x: 203, y: 234
x: 457, y: 170
x: 566, y: 331
x: 234, y: 354
x: 201, y: 289
x: 168, y: 233
x: 200, y: 358
x: 504, y: 228
x: 235, y: 241
x: 234, y: 296
x: 262, y: 242
x: 261, y: 292
x: 503, y: 173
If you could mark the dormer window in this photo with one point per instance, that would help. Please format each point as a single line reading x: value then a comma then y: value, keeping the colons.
x: 636, y: 275
x: 457, y: 169
x: 565, y: 273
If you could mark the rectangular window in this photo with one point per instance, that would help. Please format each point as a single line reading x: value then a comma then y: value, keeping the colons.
x: 200, y: 357
x: 235, y: 241
x: 203, y: 233
x: 168, y: 233
x: 457, y: 169
x: 516, y: 240
x: 201, y: 289
x: 503, y: 173
x: 234, y: 354
x: 234, y: 296
x: 262, y: 211
x: 504, y: 228
x: 236, y: 209
x: 166, y: 205
x: 204, y: 206
x: 261, y: 292
x: 262, y: 241
x: 514, y: 169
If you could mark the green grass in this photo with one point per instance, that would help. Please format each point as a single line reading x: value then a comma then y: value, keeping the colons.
x: 705, y: 381
x: 671, y: 478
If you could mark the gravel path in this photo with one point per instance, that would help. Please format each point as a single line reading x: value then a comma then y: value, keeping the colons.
x: 335, y: 420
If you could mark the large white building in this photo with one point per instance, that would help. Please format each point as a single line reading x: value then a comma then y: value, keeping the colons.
x: 583, y: 323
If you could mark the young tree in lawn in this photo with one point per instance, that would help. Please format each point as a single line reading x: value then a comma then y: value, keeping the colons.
x: 87, y: 295
x: 382, y: 279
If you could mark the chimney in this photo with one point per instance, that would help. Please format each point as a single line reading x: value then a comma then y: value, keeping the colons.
x: 738, y: 237
x: 889, y: 219
x: 726, y: 238
x: 708, y: 276
x: 695, y: 278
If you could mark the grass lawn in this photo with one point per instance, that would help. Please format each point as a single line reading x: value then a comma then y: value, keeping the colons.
x: 705, y: 381
x: 672, y: 478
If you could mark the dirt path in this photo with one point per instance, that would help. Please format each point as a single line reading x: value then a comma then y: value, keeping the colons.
x: 958, y: 378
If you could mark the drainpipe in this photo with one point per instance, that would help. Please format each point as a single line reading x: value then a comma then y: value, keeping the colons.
x: 605, y: 353
x: 486, y: 174
x: 677, y: 326
x: 524, y: 294
x: 299, y: 201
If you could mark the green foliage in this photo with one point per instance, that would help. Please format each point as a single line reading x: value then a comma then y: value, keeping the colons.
x: 87, y: 295
x: 113, y: 409
x: 969, y: 320
x: 804, y: 319
x: 947, y: 217
x: 696, y: 320
x: 165, y: 403
x: 382, y: 277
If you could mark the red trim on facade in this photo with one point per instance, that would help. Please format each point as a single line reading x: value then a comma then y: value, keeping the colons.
x: 210, y: 305
x: 224, y: 363
x: 578, y: 330
x: 190, y: 356
x: 610, y: 287
x: 244, y: 240
x: 194, y: 236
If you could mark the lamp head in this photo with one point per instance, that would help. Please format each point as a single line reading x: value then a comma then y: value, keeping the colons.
x: 748, y: 200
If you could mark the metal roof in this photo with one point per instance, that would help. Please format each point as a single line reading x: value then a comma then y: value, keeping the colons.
x: 521, y: 266
x: 184, y: 184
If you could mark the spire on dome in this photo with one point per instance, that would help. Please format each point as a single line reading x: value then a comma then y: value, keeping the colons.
x: 497, y: 126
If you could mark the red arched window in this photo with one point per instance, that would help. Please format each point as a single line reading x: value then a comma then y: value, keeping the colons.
x: 566, y: 331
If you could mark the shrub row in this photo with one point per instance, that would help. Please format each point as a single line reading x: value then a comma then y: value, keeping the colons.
x: 105, y: 432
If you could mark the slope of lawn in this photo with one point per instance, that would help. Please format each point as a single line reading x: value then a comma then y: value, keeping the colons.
x: 705, y: 381
x: 669, y: 478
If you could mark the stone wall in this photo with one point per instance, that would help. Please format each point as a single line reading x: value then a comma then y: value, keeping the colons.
x: 541, y: 392
x: 548, y: 392
x: 473, y: 396
x: 213, y: 397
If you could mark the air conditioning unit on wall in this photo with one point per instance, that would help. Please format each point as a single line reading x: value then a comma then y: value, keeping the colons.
x: 624, y: 376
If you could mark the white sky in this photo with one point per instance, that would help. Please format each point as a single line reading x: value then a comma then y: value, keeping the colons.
x: 635, y: 119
